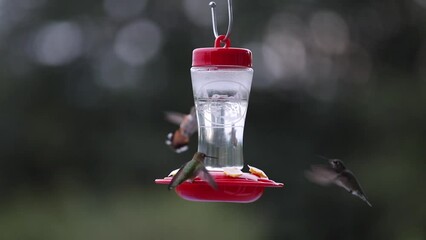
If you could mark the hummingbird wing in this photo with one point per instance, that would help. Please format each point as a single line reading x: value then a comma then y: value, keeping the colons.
x: 174, y: 117
x: 321, y: 174
x: 204, y: 174
x: 182, y: 175
x: 189, y: 125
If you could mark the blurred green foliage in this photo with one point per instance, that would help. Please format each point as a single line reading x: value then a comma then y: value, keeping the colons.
x: 133, y: 213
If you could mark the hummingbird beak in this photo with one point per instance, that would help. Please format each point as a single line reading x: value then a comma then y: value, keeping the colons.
x: 212, y: 157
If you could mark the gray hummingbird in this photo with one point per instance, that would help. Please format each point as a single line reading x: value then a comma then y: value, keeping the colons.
x: 179, y: 139
x: 336, y: 173
x: 190, y: 170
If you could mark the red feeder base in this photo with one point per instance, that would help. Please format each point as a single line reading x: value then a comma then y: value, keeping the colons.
x: 243, y: 189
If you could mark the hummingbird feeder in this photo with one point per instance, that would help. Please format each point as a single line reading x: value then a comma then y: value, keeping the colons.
x: 221, y: 82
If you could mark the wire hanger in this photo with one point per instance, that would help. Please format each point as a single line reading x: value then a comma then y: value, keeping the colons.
x: 214, y: 22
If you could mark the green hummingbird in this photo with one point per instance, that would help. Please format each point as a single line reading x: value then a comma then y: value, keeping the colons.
x: 190, y: 170
x: 336, y: 173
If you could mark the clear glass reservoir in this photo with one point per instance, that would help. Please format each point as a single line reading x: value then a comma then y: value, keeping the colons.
x: 221, y: 99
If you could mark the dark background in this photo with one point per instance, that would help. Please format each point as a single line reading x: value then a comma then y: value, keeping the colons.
x: 83, y: 87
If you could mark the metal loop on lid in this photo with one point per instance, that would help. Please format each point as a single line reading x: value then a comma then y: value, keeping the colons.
x: 222, y: 39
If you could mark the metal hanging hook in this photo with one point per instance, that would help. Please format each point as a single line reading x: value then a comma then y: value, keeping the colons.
x: 214, y: 22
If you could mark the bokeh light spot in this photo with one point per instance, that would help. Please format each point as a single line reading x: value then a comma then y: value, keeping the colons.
x: 122, y: 9
x: 284, y: 50
x: 57, y: 43
x: 285, y: 55
x: 113, y: 73
x: 329, y: 32
x: 137, y: 42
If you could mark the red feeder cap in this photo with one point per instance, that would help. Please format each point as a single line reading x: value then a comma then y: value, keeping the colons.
x: 222, y: 56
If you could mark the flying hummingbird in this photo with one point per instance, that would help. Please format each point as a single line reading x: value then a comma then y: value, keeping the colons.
x: 336, y: 173
x: 188, y: 125
x: 190, y: 170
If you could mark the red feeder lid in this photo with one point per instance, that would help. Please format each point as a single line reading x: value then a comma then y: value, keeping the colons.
x: 222, y: 56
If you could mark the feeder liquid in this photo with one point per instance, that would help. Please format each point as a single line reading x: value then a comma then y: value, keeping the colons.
x: 221, y: 100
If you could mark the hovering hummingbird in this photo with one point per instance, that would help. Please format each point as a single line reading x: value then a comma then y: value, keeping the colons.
x: 338, y: 174
x: 190, y: 170
x: 188, y: 125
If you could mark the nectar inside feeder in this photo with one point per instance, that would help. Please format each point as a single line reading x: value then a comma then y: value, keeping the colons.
x: 221, y: 81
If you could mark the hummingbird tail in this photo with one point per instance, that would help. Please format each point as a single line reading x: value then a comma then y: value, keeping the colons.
x: 369, y: 204
x: 174, y: 183
x: 365, y: 200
